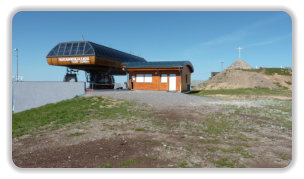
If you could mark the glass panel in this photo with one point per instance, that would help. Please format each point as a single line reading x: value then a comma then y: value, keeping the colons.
x: 74, y: 49
x: 53, y: 52
x: 61, y: 49
x: 148, y: 78
x: 88, y: 50
x: 164, y: 78
x: 139, y: 78
x: 56, y: 50
x: 67, y: 49
x: 80, y: 48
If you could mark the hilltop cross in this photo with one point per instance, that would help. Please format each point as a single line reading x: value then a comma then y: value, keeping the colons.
x: 239, y: 51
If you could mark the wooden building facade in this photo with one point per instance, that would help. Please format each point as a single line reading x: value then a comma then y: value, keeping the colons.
x: 160, y: 76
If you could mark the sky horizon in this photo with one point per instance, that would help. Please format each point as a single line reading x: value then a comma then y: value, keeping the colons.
x: 203, y: 37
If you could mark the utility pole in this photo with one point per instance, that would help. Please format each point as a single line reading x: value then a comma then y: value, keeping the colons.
x: 239, y: 51
x: 16, y: 50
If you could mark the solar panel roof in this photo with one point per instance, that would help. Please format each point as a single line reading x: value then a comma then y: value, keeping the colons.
x: 87, y: 48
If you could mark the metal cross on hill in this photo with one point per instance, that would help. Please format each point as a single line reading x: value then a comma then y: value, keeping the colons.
x: 239, y: 51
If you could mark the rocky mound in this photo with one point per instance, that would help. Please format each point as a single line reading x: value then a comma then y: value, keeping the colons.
x: 239, y: 64
x: 238, y: 78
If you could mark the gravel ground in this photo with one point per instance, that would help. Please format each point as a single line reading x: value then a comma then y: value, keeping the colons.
x: 155, y: 98
x: 168, y: 99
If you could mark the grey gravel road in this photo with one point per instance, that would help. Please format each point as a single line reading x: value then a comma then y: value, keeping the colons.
x: 155, y: 98
x: 164, y: 98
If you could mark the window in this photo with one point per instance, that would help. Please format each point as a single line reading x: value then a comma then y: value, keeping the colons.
x: 67, y: 49
x: 80, y: 48
x: 61, y: 49
x: 164, y: 78
x: 148, y: 78
x: 88, y: 50
x: 139, y: 78
x: 74, y: 49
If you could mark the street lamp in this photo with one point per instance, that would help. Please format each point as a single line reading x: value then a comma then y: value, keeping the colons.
x: 16, y: 49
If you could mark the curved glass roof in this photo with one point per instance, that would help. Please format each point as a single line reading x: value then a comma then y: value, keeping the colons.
x: 87, y: 48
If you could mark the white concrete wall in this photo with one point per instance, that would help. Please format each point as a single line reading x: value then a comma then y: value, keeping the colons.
x: 27, y: 95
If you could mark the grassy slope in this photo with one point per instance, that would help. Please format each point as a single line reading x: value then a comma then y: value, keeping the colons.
x: 78, y: 109
x: 224, y: 142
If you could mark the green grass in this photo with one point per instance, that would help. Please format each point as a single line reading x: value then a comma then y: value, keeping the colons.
x: 216, y: 124
x: 151, y: 157
x: 284, y: 157
x: 280, y: 86
x: 128, y: 163
x: 182, y: 164
x: 243, y: 91
x: 252, y: 70
x: 76, y: 134
x: 271, y: 71
x: 139, y: 129
x: 106, y: 166
x: 288, y: 82
x: 213, y: 141
x: 279, y: 71
x: 78, y: 109
x: 225, y: 162
x: 234, y: 150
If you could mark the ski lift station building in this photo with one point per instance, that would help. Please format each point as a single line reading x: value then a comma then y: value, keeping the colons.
x: 101, y: 63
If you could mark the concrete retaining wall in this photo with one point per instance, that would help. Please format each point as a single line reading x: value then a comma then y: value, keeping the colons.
x: 27, y: 95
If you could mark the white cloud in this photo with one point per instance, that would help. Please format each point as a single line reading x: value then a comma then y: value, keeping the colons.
x: 235, y: 36
x: 268, y: 42
x: 232, y: 37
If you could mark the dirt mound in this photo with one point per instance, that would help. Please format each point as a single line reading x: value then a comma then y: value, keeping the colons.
x: 238, y: 78
x: 239, y: 64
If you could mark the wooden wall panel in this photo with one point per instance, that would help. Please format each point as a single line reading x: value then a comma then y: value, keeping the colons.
x: 156, y: 84
x: 185, y: 73
x: 178, y: 82
x: 164, y: 86
x: 147, y: 86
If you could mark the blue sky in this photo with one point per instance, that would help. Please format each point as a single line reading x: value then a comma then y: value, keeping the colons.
x: 203, y: 37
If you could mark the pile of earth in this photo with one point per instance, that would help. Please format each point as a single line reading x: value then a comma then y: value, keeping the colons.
x: 241, y: 75
x: 239, y: 64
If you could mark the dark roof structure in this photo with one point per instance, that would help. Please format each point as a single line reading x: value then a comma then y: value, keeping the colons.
x: 87, y: 48
x: 160, y: 64
x: 105, y: 56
